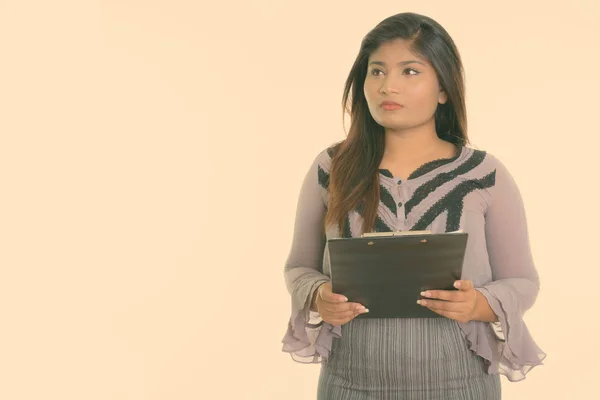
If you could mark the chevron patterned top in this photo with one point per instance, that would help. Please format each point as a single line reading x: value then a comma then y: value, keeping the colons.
x: 473, y: 192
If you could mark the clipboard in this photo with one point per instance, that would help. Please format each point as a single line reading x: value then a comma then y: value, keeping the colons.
x: 386, y: 271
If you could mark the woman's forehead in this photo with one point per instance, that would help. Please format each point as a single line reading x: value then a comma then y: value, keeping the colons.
x: 395, y: 53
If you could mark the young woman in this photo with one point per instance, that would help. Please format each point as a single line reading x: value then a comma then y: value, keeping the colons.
x: 405, y: 165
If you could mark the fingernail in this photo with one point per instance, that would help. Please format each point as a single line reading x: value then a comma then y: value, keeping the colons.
x: 457, y: 284
x: 425, y: 294
x: 345, y: 299
x: 366, y: 310
x: 422, y: 302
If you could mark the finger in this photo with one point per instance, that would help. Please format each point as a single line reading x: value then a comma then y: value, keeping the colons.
x: 449, y: 295
x: 348, y: 314
x: 326, y: 294
x: 338, y: 316
x: 341, y: 307
x: 464, y: 285
x: 344, y: 320
x: 441, y: 305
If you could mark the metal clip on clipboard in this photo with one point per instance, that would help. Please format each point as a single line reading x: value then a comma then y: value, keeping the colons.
x: 396, y: 233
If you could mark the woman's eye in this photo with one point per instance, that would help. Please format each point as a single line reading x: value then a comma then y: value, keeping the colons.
x: 374, y: 71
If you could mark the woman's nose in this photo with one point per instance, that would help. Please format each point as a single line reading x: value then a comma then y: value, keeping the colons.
x: 389, y: 86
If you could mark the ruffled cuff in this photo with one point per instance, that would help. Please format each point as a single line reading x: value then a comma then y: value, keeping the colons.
x: 497, y: 328
x: 308, y: 338
x: 516, y: 354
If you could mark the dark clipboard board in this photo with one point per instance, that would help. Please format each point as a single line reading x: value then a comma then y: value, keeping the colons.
x: 387, y: 271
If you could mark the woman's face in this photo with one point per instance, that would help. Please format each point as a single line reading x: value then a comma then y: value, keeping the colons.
x: 395, y: 74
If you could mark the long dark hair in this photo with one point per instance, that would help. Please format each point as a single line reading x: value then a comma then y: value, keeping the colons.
x: 354, y: 175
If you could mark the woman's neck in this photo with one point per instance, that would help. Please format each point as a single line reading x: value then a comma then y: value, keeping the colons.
x: 416, y: 145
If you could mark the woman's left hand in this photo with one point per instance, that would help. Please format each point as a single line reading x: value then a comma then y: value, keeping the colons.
x: 459, y: 305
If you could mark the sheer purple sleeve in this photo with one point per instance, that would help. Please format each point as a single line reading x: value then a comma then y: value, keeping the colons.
x: 308, y: 338
x: 515, y: 282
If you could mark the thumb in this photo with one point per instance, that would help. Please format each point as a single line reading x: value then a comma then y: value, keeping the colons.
x: 464, y: 285
x: 325, y: 291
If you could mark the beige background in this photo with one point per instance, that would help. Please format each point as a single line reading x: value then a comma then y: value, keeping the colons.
x: 151, y: 158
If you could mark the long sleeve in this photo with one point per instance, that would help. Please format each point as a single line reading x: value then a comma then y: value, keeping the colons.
x: 515, y: 282
x: 305, y: 340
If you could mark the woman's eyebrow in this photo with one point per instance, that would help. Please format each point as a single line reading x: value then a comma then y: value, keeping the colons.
x: 400, y: 63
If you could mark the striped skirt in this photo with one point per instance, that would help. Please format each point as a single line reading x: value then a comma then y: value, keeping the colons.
x: 417, y: 358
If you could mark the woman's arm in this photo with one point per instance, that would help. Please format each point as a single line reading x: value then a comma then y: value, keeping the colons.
x: 307, y: 338
x: 515, y: 282
x: 303, y: 268
x: 507, y: 238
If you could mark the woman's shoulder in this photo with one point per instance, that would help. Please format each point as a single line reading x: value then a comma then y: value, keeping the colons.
x: 321, y: 165
x: 490, y: 168
x: 325, y: 156
x: 483, y: 157
x: 495, y: 162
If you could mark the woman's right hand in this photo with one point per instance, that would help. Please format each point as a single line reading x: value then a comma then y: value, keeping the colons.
x: 335, y: 308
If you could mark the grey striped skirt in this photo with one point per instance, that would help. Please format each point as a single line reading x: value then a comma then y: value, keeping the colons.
x: 420, y: 358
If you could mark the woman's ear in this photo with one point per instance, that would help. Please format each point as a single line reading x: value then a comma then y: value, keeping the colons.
x: 442, y: 97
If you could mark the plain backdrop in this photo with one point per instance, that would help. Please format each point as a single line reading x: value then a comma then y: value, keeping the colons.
x: 151, y: 157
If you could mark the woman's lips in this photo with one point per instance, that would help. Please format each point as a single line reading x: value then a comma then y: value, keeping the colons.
x: 391, y: 107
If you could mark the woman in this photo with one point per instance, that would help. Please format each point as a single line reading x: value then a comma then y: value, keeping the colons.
x: 405, y: 165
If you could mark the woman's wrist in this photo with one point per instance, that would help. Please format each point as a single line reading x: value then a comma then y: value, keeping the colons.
x: 483, y: 311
